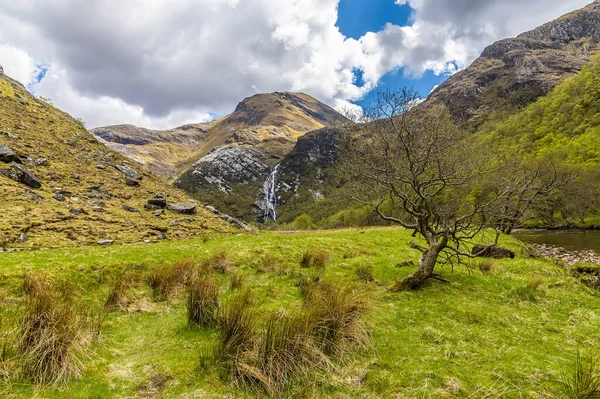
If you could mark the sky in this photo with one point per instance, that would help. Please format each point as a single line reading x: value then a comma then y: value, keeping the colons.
x: 163, y: 63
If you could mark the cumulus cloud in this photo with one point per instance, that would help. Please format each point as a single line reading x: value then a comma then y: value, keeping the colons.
x: 160, y: 63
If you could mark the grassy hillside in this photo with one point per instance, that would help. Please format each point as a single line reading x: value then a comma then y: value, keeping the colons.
x: 82, y: 195
x: 512, y: 331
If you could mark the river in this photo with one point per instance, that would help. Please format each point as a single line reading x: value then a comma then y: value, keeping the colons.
x: 571, y: 240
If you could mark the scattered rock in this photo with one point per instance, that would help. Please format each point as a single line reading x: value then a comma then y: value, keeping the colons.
x: 21, y: 174
x: 105, y: 242
x: 21, y: 99
x: 23, y: 238
x: 164, y: 229
x: 159, y: 212
x: 186, y: 209
x: 492, y: 251
x: 161, y: 235
x: 130, y: 209
x: 132, y: 182
x: 78, y: 211
x: 41, y: 162
x: 128, y: 172
x: 59, y: 197
x: 569, y: 257
x: 158, y: 201
x: 212, y: 209
x: 100, y: 166
x: 6, y: 154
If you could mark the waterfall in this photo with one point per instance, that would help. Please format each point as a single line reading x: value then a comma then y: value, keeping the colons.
x: 270, y: 192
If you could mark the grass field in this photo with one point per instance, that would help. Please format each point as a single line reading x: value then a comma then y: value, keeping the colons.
x: 513, y: 331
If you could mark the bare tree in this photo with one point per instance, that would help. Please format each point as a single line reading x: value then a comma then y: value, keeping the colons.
x: 417, y: 170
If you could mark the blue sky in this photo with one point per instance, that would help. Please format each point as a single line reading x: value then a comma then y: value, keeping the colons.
x: 357, y: 17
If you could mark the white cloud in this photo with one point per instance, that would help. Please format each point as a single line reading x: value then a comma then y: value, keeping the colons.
x: 161, y: 63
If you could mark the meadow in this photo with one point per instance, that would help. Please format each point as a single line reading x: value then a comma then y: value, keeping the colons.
x: 509, y: 328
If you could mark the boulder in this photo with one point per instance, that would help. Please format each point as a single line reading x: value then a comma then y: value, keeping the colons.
x: 6, y: 154
x: 186, y: 209
x: 128, y: 172
x: 41, y: 162
x: 159, y: 202
x: 21, y: 174
x: 492, y: 251
x: 59, y: 197
x: 132, y: 182
x: 23, y: 238
x: 130, y: 209
x: 159, y: 212
x: 105, y: 242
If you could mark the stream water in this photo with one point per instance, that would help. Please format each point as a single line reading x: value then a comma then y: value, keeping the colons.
x: 571, y: 240
x: 270, y: 193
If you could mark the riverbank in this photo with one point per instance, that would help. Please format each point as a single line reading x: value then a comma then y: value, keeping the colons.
x: 569, y: 257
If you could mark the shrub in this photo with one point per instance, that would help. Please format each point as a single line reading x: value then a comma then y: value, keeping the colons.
x: 303, y: 222
x: 50, y: 338
x: 335, y: 314
x: 203, y: 301
x: 584, y: 382
x: 364, y: 273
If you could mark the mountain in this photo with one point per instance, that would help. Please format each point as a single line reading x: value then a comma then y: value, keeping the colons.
x: 243, y: 149
x: 163, y: 152
x: 512, y: 73
x: 60, y: 186
x: 509, y: 76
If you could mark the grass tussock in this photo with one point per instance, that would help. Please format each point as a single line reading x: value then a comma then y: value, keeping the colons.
x: 117, y: 296
x: 486, y: 265
x: 364, y: 273
x: 219, y: 262
x: 336, y: 314
x: 237, y: 280
x: 51, y: 339
x: 236, y: 322
x: 306, y: 284
x: 584, y: 382
x: 164, y: 281
x: 315, y: 258
x: 203, y: 301
x: 268, y: 263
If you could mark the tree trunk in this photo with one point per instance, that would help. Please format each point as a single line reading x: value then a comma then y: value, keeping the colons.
x: 426, y: 266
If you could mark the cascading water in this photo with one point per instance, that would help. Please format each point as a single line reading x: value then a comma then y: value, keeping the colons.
x: 270, y: 192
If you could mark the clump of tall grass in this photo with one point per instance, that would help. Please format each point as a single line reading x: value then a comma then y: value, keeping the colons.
x: 164, y: 281
x: 50, y: 340
x: 307, y: 283
x: 117, y: 296
x: 219, y: 262
x: 364, y: 273
x: 203, y: 301
x: 268, y: 263
x: 336, y: 314
x: 237, y: 280
x: 315, y: 258
x: 584, y: 382
x: 486, y: 265
x: 236, y: 321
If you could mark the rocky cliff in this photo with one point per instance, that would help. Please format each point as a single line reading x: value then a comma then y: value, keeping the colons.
x: 512, y: 73
x: 60, y: 186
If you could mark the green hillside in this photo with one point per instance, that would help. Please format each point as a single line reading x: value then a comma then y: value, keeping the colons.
x: 564, y: 125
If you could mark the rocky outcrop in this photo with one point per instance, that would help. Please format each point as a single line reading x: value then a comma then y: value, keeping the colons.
x: 22, y: 174
x: 512, y: 73
x: 6, y: 154
x: 128, y: 172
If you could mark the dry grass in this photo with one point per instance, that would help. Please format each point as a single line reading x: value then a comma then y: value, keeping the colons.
x: 335, y: 313
x: 50, y: 339
x: 219, y: 262
x: 117, y: 296
x: 164, y: 281
x: 203, y: 301
x: 236, y: 323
